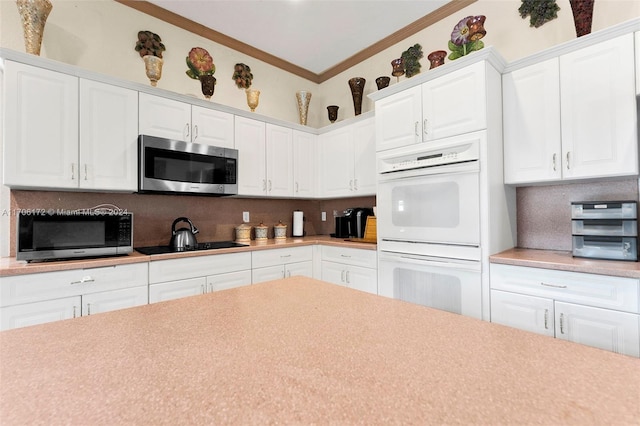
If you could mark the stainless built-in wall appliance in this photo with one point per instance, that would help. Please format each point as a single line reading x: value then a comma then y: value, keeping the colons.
x: 48, y: 235
x: 177, y: 167
x: 605, y: 230
x: 441, y: 212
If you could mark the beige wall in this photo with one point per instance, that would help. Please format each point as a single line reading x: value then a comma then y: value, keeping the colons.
x: 99, y: 35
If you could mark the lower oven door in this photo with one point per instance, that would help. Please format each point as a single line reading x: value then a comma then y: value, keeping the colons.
x: 449, y: 285
x: 433, y: 207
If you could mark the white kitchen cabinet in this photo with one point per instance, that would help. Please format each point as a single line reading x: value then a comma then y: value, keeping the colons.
x: 572, y: 116
x: 453, y: 104
x: 168, y: 118
x: 190, y: 276
x: 350, y: 267
x: 637, y: 56
x: 37, y: 298
x: 304, y: 164
x: 40, y: 128
x: 68, y: 133
x: 108, y: 137
x: 595, y: 310
x: 347, y: 160
x: 266, y: 158
x: 275, y: 264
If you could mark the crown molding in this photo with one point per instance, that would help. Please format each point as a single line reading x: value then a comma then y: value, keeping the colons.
x: 188, y: 25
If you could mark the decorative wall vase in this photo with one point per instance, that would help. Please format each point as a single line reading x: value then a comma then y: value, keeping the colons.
x: 397, y: 68
x: 332, y: 111
x: 208, y: 84
x: 382, y: 82
x: 34, y: 15
x: 253, y: 97
x: 436, y: 58
x: 153, y: 68
x: 582, y: 15
x: 357, y: 90
x: 303, y: 97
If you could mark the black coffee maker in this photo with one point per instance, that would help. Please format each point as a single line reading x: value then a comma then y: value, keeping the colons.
x: 353, y: 222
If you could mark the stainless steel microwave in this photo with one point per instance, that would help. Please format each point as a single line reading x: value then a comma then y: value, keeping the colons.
x: 177, y: 167
x: 50, y: 235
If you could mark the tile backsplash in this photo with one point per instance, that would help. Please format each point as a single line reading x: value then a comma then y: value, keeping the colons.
x: 215, y: 217
x: 544, y: 212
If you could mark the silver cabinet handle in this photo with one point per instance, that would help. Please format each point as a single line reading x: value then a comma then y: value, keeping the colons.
x: 415, y: 128
x: 195, y: 132
x: 264, y: 184
x: 74, y: 311
x: 424, y: 127
x: 546, y: 319
x: 88, y: 308
x: 73, y: 171
x: 345, y: 255
x: 554, y: 161
x: 85, y: 279
x: 210, y: 287
x: 202, y: 289
x: 269, y: 185
x: 553, y: 285
x: 561, y: 323
x: 342, y: 276
x: 568, y: 153
x: 297, y: 187
x: 186, y: 131
x: 284, y: 255
x: 351, y: 185
x: 348, y: 277
x: 85, y: 172
x: 288, y: 273
x: 355, y: 184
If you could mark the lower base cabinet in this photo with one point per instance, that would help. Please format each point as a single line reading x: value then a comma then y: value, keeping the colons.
x: 594, y: 310
x: 40, y: 298
x: 353, y: 268
x: 274, y: 264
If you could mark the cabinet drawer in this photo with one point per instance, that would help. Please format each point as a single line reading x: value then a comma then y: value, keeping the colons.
x: 39, y: 312
x: 350, y: 256
x: 272, y: 257
x: 177, y: 289
x: 603, y: 291
x: 54, y: 285
x: 198, y: 266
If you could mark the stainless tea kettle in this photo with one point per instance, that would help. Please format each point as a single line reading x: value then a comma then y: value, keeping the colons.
x: 184, y: 238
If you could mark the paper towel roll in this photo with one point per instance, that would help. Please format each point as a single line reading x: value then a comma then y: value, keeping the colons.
x: 298, y: 223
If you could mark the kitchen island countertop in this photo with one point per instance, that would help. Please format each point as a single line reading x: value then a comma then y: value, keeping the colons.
x: 301, y: 351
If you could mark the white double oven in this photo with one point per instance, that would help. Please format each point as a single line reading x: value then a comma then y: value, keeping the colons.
x: 433, y: 212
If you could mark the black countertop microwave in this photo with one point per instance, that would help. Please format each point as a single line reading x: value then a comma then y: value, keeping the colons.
x: 177, y: 167
x: 73, y: 234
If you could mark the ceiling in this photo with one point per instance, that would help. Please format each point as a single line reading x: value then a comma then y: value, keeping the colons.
x: 315, y: 39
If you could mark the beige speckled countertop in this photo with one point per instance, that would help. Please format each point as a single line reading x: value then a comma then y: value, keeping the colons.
x: 301, y: 351
x: 563, y: 260
x: 10, y: 266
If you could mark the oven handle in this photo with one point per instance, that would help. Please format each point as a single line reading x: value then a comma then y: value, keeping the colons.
x: 467, y: 265
x: 449, y: 169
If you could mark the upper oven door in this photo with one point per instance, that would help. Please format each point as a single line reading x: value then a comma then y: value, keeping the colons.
x: 432, y: 208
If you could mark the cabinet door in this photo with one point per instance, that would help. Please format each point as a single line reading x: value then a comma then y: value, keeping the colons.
x: 211, y: 127
x: 364, y: 157
x: 164, y: 118
x: 336, y: 163
x: 528, y: 313
x: 39, y: 312
x: 599, y: 116
x: 40, y: 128
x: 398, y: 119
x: 252, y: 163
x: 108, y: 137
x: 279, y: 155
x: 106, y: 301
x: 333, y: 273
x: 304, y: 269
x: 177, y: 289
x: 455, y: 104
x: 532, y: 144
x: 229, y: 280
x: 601, y: 328
x: 363, y: 279
x: 304, y: 164
x: 268, y: 273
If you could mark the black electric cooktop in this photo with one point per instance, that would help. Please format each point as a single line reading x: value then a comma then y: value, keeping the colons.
x: 201, y: 246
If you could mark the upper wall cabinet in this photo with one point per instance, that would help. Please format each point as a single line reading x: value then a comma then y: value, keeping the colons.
x: 449, y: 105
x: 63, y: 132
x: 573, y: 116
x: 168, y: 118
x: 348, y: 160
x: 304, y: 164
